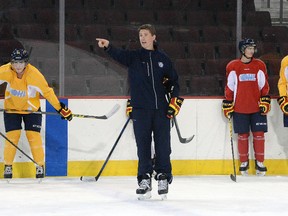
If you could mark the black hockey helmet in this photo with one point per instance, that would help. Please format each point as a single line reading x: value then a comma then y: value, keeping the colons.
x: 19, y: 55
x: 246, y: 43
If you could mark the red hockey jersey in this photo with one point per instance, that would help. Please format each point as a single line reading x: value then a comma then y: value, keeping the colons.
x: 246, y: 83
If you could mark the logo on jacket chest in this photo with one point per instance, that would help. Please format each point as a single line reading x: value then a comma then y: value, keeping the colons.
x: 160, y: 64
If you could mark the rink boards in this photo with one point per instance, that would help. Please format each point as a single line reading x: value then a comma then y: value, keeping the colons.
x: 81, y: 146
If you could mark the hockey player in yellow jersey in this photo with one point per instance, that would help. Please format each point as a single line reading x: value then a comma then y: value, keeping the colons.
x: 283, y: 89
x: 25, y: 84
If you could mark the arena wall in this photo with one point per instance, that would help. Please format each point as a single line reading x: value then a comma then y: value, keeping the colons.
x: 81, y: 146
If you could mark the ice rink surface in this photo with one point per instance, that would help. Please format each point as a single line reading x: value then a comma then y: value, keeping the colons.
x: 195, y: 195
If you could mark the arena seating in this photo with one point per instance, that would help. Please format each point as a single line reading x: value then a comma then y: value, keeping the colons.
x: 198, y: 35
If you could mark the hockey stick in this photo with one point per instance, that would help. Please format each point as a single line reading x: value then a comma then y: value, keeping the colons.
x: 233, y: 177
x: 181, y: 139
x: 108, y: 115
x: 6, y: 138
x: 83, y: 178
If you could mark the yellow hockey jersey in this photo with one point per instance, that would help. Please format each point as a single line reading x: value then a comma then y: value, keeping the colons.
x: 283, y: 80
x: 24, y: 93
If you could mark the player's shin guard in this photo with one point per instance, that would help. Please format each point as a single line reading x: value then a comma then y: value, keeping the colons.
x: 258, y: 145
x: 35, y: 142
x: 243, y: 147
x: 10, y: 150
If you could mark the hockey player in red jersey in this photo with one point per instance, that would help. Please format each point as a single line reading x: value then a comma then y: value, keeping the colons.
x: 25, y: 84
x: 247, y: 100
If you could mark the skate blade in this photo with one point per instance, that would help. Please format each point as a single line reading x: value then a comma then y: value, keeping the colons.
x: 24, y: 181
x: 144, y: 196
x: 39, y: 180
x: 244, y: 173
x: 258, y: 173
x: 163, y: 196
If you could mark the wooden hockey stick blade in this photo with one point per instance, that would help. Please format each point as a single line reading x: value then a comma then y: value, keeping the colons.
x: 233, y: 177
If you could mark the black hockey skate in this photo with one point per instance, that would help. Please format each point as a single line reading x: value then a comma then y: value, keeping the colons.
x: 244, y: 168
x: 162, y: 185
x: 260, y: 168
x: 39, y: 172
x: 145, y: 187
x: 8, y: 172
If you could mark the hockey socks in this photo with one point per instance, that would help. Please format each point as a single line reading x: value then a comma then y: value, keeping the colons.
x: 10, y: 150
x: 35, y: 142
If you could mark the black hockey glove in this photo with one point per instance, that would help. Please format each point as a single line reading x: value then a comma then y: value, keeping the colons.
x: 228, y: 108
x: 265, y: 104
x: 168, y: 85
x: 65, y: 112
x: 174, y: 106
x: 283, y: 103
x: 129, y: 108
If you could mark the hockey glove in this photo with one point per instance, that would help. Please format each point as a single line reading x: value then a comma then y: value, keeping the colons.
x: 65, y: 112
x: 228, y: 108
x: 283, y: 103
x: 174, y: 106
x: 129, y: 108
x: 264, y: 105
x: 168, y: 85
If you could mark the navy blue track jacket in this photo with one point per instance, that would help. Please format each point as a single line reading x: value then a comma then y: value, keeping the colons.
x: 146, y: 71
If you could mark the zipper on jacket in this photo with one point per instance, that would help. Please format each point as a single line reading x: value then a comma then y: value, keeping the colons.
x: 148, y: 70
x: 153, y: 83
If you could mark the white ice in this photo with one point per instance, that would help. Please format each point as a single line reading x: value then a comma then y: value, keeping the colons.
x: 113, y: 196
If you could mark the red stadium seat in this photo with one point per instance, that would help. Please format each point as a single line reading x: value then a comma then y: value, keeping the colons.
x: 206, y: 86
x: 7, y: 46
x: 189, y: 67
x: 201, y: 51
x: 32, y: 31
x: 127, y: 4
x: 175, y: 50
x: 200, y: 18
x: 140, y: 17
x: 170, y: 17
x: 90, y: 32
x: 123, y: 33
x: 253, y: 32
x: 226, y: 18
x: 275, y: 34
x: 186, y: 34
x: 21, y: 15
x: 216, y: 67
x: 224, y: 5
x: 258, y: 18
x: 215, y: 34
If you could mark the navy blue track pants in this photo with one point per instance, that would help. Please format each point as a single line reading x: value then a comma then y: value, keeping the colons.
x: 148, y: 123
